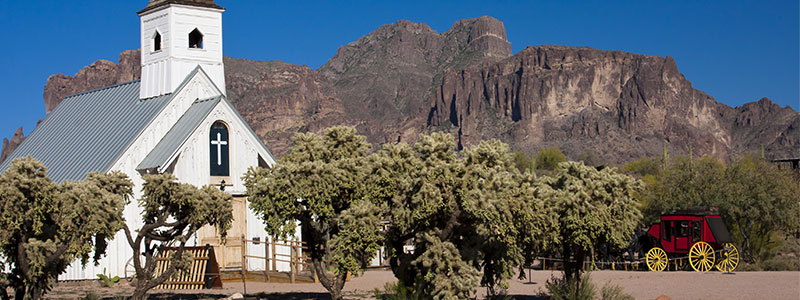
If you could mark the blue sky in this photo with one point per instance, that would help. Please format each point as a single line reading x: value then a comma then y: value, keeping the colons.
x: 736, y: 51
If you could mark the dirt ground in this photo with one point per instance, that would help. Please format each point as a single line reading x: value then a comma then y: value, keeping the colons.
x: 641, y: 285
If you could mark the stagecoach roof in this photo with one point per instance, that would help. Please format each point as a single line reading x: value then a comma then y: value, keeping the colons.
x: 696, y: 211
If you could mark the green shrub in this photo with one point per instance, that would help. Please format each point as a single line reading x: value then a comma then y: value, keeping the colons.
x: 549, y: 158
x: 748, y: 267
x: 566, y: 289
x: 91, y: 296
x: 398, y: 291
x: 781, y: 263
x: 614, y: 292
x: 106, y: 281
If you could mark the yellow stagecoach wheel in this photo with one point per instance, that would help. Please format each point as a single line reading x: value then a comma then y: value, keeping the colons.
x: 656, y: 259
x: 729, y: 258
x: 701, y: 257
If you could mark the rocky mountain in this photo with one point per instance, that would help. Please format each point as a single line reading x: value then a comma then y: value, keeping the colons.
x: 10, y: 146
x: 386, y: 78
x: 101, y: 73
x: 405, y: 78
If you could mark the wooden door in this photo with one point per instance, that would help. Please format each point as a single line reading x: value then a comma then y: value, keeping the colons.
x: 229, y: 254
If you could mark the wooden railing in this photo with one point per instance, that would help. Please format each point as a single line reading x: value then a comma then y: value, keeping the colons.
x: 296, y: 259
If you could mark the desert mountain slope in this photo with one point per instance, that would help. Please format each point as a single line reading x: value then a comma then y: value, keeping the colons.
x: 405, y: 78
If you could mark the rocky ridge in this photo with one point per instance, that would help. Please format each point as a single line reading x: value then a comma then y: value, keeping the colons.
x: 10, y: 145
x: 405, y: 78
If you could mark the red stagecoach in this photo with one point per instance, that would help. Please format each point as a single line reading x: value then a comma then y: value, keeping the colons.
x: 698, y: 234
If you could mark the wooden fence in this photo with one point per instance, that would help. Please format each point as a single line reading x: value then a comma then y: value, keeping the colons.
x: 297, y: 260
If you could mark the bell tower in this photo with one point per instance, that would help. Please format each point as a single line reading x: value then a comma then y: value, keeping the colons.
x: 176, y: 37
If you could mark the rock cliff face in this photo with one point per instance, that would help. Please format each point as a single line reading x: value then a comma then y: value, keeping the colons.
x: 386, y: 77
x: 607, y: 104
x: 405, y: 78
x: 99, y: 74
x: 10, y: 146
x: 764, y: 123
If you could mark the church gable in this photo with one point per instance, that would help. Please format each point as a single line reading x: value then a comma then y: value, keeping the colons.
x: 206, y: 150
x: 167, y: 148
x: 195, y: 86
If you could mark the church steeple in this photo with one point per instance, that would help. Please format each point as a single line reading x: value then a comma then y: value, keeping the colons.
x: 176, y: 37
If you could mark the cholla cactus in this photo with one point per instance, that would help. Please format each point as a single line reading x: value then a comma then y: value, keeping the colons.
x: 45, y: 226
x: 320, y: 183
x: 446, y: 275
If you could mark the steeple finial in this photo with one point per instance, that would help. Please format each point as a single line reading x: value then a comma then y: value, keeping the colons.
x: 153, y: 4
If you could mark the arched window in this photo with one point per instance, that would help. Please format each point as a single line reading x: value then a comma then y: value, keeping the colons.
x: 156, y: 41
x: 219, y: 160
x: 196, y: 39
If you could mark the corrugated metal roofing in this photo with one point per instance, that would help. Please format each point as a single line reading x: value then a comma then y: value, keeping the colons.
x: 179, y: 133
x: 89, y: 131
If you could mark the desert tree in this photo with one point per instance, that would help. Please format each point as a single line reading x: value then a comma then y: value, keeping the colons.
x: 759, y: 201
x: 505, y: 221
x: 685, y: 182
x: 320, y: 184
x: 592, y: 207
x: 549, y: 158
x: 172, y: 213
x: 460, y: 215
x: 45, y: 226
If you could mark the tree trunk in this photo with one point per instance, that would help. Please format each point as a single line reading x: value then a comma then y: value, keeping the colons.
x: 333, y: 285
x: 580, y: 259
x: 139, y: 293
x: 19, y: 292
x: 336, y: 294
x: 568, y: 268
x: 401, y: 264
x: 3, y: 292
x: 35, y: 293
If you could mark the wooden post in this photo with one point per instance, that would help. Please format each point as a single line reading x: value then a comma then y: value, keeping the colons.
x: 266, y: 259
x: 244, y: 265
x: 244, y: 254
x: 299, y: 255
x: 274, y: 256
x: 291, y: 262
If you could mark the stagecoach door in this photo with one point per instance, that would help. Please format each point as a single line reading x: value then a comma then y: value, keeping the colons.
x: 667, y: 235
x: 682, y: 236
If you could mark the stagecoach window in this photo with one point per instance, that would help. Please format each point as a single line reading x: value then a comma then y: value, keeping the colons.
x: 683, y: 230
x: 667, y: 234
x: 696, y: 229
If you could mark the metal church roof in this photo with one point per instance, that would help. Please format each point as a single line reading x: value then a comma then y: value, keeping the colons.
x: 89, y: 131
x: 178, y: 134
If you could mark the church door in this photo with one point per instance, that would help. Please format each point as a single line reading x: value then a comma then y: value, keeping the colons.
x: 229, y: 254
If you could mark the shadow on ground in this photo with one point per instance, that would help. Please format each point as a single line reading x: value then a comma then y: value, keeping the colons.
x: 292, y: 296
x: 170, y: 296
x: 528, y: 297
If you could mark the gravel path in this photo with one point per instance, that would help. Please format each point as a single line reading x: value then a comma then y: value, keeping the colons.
x: 641, y: 285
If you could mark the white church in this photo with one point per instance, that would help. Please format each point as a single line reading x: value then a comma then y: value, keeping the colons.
x: 175, y: 119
